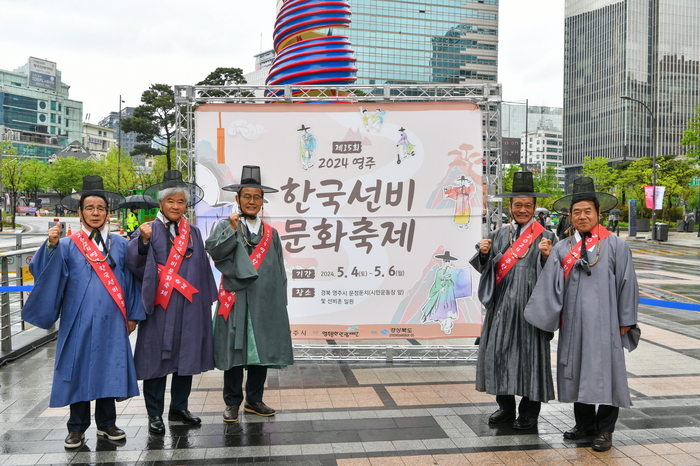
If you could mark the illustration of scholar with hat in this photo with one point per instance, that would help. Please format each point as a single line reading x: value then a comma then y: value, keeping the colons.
x: 514, y: 356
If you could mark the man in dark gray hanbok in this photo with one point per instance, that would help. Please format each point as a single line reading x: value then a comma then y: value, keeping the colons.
x: 514, y: 356
x: 590, y: 294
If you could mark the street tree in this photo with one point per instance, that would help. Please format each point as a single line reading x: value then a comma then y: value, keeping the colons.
x: 154, y: 120
x: 223, y: 77
x: 36, y: 177
x: 691, y: 136
x: 599, y: 169
x: 118, y: 172
x: 66, y: 174
x: 547, y: 182
x: 12, y: 175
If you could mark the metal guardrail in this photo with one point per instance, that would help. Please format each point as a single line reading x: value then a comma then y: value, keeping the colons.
x: 12, y: 291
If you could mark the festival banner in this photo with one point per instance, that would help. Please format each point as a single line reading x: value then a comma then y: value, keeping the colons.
x: 649, y: 195
x: 378, y: 209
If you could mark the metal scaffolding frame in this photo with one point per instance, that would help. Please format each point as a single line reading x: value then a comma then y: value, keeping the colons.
x: 487, y: 96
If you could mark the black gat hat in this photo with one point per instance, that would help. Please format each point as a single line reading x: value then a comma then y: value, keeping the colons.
x: 93, y: 186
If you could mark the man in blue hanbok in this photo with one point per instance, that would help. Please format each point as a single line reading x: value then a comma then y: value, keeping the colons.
x: 83, y: 280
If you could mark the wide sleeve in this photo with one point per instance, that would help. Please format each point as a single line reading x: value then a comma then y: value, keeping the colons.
x: 144, y: 269
x: 627, y: 295
x: 230, y: 257
x: 134, y: 260
x: 209, y: 291
x: 51, y: 276
x: 280, y: 260
x: 544, y: 308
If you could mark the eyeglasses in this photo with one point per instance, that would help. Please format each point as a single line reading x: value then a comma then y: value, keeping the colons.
x: 92, y: 208
x: 248, y: 197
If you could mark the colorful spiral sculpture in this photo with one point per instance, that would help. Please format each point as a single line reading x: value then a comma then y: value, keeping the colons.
x: 307, y: 52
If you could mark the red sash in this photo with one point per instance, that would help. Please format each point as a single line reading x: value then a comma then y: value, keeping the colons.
x: 228, y: 298
x: 517, y: 250
x: 168, y: 273
x: 104, y: 272
x: 574, y: 254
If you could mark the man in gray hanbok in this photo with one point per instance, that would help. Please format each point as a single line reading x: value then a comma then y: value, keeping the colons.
x: 590, y: 294
x: 514, y: 356
x: 251, y: 325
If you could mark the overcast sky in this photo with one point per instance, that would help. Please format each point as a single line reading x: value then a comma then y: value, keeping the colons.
x: 104, y: 49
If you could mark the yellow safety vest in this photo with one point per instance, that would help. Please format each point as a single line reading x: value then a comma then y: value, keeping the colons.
x: 132, y: 222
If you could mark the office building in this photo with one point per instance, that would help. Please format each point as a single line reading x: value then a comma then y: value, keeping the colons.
x: 98, y: 140
x: 427, y: 41
x: 36, y: 113
x: 543, y: 148
x: 514, y: 124
x: 127, y: 140
x: 648, y: 50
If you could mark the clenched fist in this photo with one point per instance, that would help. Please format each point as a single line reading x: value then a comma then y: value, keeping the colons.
x: 145, y: 230
x: 233, y: 221
x: 54, y: 234
x: 545, y: 247
x: 484, y: 246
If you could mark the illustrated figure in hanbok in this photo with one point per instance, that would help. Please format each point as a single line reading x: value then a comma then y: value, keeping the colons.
x: 449, y: 285
x: 307, y: 145
x: 462, y: 191
x: 404, y: 147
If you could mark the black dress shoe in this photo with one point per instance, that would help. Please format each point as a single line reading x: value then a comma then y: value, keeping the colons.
x: 112, y: 433
x: 501, y: 416
x: 579, y: 433
x: 184, y: 416
x: 259, y: 408
x: 602, y: 441
x: 525, y: 423
x: 231, y: 413
x: 155, y: 425
x: 74, y: 440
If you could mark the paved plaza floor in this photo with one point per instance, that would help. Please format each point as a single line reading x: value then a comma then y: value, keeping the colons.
x: 349, y: 414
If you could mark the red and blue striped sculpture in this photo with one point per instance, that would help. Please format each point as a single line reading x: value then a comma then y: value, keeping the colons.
x: 306, y: 54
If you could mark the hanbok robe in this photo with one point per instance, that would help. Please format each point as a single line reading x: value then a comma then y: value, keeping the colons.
x: 257, y: 330
x: 589, y: 311
x: 179, y: 338
x: 514, y: 356
x: 93, y: 352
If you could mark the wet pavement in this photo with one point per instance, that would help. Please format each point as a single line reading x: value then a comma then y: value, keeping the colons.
x: 428, y: 413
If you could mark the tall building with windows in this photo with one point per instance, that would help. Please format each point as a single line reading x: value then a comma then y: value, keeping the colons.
x: 426, y: 41
x: 542, y: 148
x: 127, y: 140
x: 36, y: 114
x: 648, y: 50
x: 517, y: 119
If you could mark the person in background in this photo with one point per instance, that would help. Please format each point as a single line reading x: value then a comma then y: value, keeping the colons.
x: 83, y: 280
x: 564, y: 224
x: 132, y: 220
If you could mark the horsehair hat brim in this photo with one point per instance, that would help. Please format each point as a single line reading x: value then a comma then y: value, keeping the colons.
x: 250, y: 178
x: 93, y: 186
x: 523, y: 186
x: 173, y: 179
x: 584, y: 190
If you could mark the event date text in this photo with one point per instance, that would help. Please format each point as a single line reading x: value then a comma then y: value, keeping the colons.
x: 355, y: 272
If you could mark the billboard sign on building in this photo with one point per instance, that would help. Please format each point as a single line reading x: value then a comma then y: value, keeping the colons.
x: 42, y: 73
x: 378, y: 209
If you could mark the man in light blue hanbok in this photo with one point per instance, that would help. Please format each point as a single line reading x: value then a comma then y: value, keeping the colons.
x: 83, y: 280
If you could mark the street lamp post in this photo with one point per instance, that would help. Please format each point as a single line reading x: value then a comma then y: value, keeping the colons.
x: 119, y: 152
x: 652, y: 154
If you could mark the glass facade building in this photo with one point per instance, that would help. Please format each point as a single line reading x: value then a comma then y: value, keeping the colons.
x: 427, y: 41
x: 36, y: 114
x: 513, y: 123
x: 648, y: 50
